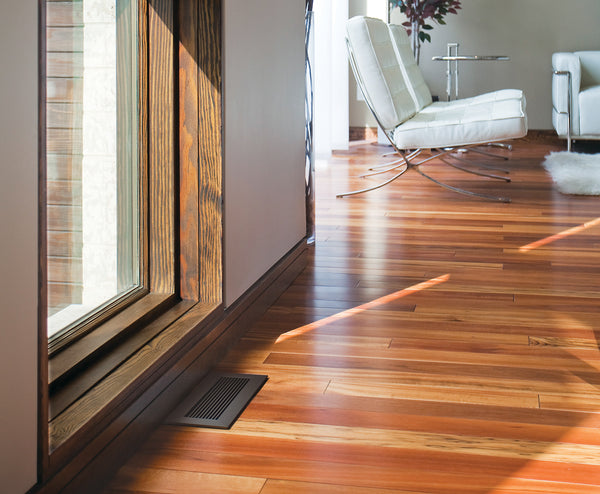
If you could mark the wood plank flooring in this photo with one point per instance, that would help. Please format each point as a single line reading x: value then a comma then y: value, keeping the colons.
x: 436, y: 343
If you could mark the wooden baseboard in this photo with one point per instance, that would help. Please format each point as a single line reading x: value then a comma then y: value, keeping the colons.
x: 99, y: 460
x: 546, y: 136
x: 362, y: 133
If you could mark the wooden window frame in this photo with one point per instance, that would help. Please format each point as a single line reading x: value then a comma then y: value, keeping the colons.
x: 85, y: 386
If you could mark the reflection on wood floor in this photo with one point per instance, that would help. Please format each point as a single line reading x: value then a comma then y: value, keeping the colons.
x: 423, y: 350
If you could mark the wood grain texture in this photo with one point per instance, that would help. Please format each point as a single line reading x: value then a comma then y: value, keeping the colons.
x: 87, y: 413
x: 189, y: 163
x: 382, y: 380
x: 210, y: 149
x: 94, y: 407
x: 193, y: 344
x: 200, y: 150
x: 161, y: 147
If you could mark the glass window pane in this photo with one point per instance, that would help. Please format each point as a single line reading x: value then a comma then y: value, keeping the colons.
x: 92, y: 157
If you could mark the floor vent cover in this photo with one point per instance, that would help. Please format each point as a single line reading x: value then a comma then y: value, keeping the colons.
x: 218, y: 400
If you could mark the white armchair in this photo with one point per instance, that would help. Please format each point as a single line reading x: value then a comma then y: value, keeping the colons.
x: 576, y: 95
x: 398, y: 96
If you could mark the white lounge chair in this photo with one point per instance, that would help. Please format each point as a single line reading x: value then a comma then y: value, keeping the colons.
x: 398, y: 96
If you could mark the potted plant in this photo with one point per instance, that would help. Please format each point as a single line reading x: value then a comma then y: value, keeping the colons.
x: 419, y: 14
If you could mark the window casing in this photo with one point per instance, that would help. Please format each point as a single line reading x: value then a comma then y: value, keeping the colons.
x: 109, y: 360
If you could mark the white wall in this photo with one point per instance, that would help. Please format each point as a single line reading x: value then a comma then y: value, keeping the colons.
x: 18, y: 258
x: 263, y: 137
x: 330, y: 77
x: 528, y: 31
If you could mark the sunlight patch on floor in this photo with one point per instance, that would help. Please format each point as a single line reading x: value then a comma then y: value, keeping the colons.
x: 361, y: 308
x: 559, y: 236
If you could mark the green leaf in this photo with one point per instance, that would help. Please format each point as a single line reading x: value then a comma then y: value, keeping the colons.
x: 424, y: 37
x: 427, y: 26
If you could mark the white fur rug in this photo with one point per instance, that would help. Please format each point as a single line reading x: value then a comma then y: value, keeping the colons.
x: 574, y: 173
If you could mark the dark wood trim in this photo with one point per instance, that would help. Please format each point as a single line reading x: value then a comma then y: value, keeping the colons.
x: 200, y: 149
x: 547, y: 136
x: 81, y: 382
x: 85, y: 364
x: 117, y: 328
x: 189, y: 164
x: 42, y: 349
x: 210, y: 147
x: 189, y: 351
x: 81, y: 332
x: 161, y: 153
x: 91, y: 413
x: 362, y: 133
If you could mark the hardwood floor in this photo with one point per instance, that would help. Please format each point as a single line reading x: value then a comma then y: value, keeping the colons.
x: 436, y: 343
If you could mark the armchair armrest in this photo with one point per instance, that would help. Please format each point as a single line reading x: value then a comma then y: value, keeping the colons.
x: 566, y: 83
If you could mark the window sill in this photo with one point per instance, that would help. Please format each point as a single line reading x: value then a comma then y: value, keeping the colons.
x: 120, y: 327
x: 73, y: 428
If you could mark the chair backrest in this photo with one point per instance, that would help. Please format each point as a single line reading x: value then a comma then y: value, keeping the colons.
x: 412, y: 73
x: 590, y: 67
x: 378, y: 72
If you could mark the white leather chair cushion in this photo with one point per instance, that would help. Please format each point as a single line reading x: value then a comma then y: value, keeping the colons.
x: 412, y: 74
x: 382, y: 78
x: 589, y: 111
x: 442, y: 125
x: 502, y: 94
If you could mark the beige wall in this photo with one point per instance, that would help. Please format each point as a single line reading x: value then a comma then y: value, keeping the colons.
x: 528, y: 31
x: 18, y: 257
x: 264, y: 137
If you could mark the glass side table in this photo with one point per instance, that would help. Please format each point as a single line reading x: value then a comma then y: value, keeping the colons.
x: 452, y: 58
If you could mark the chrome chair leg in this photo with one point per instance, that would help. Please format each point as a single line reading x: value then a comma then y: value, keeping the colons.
x: 378, y: 170
x: 409, y: 156
x: 475, y: 172
x: 374, y: 187
x: 486, y: 153
x: 436, y: 153
x: 480, y: 165
x: 464, y: 191
x: 502, y: 145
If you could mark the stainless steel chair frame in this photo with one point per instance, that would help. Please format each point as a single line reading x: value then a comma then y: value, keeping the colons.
x: 568, y: 112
